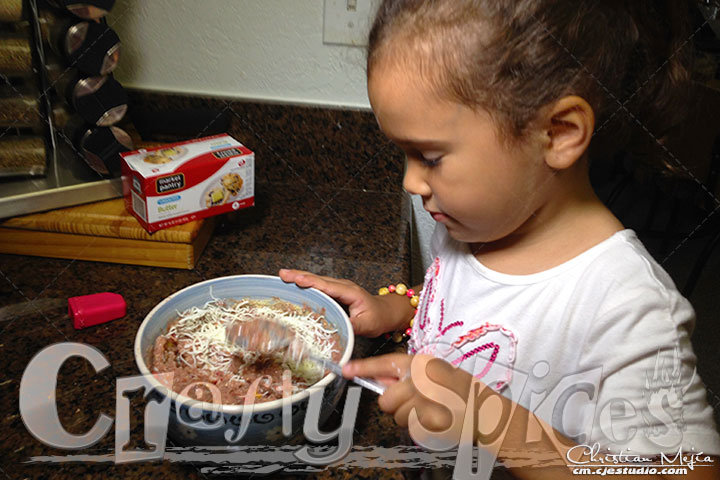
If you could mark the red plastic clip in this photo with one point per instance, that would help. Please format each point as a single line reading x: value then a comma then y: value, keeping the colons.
x: 89, y: 310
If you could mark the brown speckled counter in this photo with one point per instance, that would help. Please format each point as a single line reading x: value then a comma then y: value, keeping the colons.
x: 329, y: 199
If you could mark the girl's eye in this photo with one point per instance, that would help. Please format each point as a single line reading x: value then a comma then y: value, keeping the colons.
x: 428, y: 159
x: 431, y: 161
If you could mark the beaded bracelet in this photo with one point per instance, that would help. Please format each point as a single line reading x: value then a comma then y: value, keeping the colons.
x: 402, y: 289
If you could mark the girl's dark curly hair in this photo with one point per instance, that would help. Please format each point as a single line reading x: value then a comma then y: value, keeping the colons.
x: 629, y: 59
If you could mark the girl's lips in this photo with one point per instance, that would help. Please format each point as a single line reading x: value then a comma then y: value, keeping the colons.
x: 439, y: 217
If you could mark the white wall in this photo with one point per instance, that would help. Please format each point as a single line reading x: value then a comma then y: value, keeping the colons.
x: 269, y: 50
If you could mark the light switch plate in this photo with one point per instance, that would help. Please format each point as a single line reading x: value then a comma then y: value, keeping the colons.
x: 347, y: 22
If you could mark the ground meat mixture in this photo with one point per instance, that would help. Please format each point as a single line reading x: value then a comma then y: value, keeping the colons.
x: 197, y: 349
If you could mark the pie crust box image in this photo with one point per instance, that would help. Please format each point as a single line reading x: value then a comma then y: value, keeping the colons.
x: 180, y: 182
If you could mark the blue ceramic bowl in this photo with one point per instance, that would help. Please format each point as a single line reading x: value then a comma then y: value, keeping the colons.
x: 265, y: 426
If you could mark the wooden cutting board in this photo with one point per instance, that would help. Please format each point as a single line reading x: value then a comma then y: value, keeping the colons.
x: 104, y: 232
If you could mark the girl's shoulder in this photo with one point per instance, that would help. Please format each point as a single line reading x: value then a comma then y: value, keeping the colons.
x: 616, y: 274
x: 621, y: 258
x: 631, y: 288
x: 623, y: 262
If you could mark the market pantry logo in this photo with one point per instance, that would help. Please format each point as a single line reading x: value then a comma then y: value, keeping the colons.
x: 170, y: 183
x: 232, y: 152
x: 468, y: 441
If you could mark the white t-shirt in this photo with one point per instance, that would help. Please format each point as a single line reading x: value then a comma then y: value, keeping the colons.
x: 599, y: 345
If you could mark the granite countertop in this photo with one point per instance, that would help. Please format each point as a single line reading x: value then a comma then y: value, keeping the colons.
x: 328, y: 200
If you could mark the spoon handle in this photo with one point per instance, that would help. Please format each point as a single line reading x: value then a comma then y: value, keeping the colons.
x: 368, y: 383
x: 371, y: 385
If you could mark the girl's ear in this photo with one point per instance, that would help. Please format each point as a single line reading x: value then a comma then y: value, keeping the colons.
x: 569, y: 125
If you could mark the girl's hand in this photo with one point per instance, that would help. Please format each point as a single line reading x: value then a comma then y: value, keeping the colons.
x: 436, y: 390
x: 370, y: 315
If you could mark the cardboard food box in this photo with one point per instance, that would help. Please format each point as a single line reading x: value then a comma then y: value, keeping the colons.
x: 181, y: 182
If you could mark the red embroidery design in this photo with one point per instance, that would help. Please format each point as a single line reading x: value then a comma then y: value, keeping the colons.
x: 511, y: 350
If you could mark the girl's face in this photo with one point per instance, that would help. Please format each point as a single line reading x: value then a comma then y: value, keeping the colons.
x: 480, y: 189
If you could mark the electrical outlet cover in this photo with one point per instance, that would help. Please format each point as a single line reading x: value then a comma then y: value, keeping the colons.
x: 347, y: 22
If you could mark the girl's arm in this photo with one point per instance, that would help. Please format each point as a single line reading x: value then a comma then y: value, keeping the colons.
x: 370, y: 315
x: 438, y: 395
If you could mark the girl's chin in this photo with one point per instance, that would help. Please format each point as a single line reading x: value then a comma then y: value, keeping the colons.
x: 457, y: 233
x: 460, y: 234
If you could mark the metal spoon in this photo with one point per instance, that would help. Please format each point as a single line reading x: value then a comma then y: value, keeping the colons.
x: 264, y: 335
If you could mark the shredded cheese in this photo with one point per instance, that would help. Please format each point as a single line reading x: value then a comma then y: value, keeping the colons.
x: 201, y: 334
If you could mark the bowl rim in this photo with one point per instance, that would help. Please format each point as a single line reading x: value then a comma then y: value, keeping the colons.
x: 237, y: 409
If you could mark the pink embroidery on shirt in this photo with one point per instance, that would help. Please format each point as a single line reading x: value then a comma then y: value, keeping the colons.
x: 442, y: 319
x: 442, y: 315
x: 475, y: 351
x: 422, y: 318
x: 427, y: 296
x: 436, y: 267
x: 428, y: 338
x: 509, y: 355
x: 459, y: 323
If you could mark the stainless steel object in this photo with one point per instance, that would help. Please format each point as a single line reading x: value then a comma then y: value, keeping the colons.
x: 266, y: 336
x: 88, y: 9
x: 93, y: 48
x: 100, y: 100
x: 68, y: 180
x: 101, y: 149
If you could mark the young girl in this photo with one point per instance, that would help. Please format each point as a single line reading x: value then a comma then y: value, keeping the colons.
x: 536, y: 290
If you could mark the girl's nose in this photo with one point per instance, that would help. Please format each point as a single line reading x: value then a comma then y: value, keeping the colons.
x: 414, y: 180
